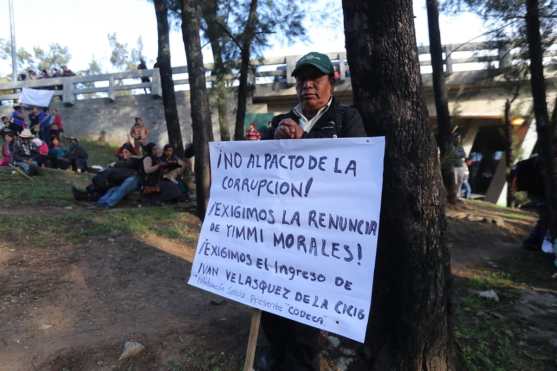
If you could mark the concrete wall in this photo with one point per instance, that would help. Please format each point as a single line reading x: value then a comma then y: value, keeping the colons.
x: 91, y: 117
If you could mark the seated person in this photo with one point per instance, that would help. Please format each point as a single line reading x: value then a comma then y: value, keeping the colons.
x: 40, y: 152
x: 58, y: 155
x: 155, y: 188
x: 23, y: 153
x: 77, y: 155
x: 45, y: 123
x: 176, y: 165
x: 17, y: 121
x: 7, y: 147
x: 111, y: 185
x: 57, y: 126
x: 252, y: 133
x: 34, y: 120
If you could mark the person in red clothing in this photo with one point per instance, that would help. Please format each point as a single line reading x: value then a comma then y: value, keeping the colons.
x: 6, y: 155
x: 252, y: 133
x: 57, y: 126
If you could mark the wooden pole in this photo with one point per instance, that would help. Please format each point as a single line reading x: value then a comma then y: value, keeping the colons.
x: 252, y: 340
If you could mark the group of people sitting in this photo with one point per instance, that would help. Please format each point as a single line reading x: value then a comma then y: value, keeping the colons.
x: 141, y: 166
x: 31, y: 140
x: 41, y: 121
x: 31, y: 74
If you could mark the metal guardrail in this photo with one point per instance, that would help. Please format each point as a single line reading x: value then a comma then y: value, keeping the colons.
x: 489, y: 54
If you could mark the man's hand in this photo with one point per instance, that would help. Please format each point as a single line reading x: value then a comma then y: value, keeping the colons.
x: 288, y: 129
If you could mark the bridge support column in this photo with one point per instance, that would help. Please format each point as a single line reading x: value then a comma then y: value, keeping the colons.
x: 111, y: 94
x: 68, y: 95
x: 498, y: 188
x: 469, y: 137
x: 156, y: 88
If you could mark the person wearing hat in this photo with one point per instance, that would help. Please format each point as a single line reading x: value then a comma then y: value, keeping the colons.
x: 40, y: 152
x: 23, y: 153
x: 318, y: 114
x: 7, y: 146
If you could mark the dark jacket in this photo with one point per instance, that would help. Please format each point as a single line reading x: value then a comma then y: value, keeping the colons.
x: 22, y: 150
x: 339, y: 121
x: 76, y: 151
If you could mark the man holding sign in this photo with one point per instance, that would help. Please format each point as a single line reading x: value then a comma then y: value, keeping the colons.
x: 317, y: 115
x: 292, y: 226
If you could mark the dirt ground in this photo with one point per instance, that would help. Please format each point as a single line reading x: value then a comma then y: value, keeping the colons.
x: 68, y: 306
x: 73, y: 306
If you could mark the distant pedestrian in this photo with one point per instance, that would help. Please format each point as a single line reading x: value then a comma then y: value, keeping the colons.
x: 460, y: 168
x: 144, y: 79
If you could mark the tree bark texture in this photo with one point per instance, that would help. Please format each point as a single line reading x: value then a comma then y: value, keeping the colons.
x: 543, y: 125
x: 200, y: 111
x: 444, y: 124
x: 210, y: 14
x: 245, y: 54
x: 409, y: 327
x: 167, y: 84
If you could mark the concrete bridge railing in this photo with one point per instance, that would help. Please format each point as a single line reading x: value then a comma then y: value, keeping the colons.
x: 465, y: 57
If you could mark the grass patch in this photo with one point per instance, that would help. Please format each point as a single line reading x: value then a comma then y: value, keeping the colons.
x: 530, y: 268
x: 203, y: 360
x: 488, y: 333
x: 79, y: 225
x: 51, y: 187
x: 165, y: 221
x: 502, y: 211
x: 99, y: 153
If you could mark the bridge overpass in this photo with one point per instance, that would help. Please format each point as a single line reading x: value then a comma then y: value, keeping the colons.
x: 104, y: 104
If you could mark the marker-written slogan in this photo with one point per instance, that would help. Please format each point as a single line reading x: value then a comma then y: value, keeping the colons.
x: 292, y: 227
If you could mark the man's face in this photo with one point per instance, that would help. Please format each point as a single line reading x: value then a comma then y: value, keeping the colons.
x: 168, y: 151
x: 126, y: 154
x: 314, y: 89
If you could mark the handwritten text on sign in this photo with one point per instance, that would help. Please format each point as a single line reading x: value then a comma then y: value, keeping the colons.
x: 291, y: 229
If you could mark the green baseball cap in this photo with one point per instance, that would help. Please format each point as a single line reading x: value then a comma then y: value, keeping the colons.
x: 317, y: 60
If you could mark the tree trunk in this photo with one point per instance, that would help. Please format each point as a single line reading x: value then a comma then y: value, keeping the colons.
x: 200, y: 112
x: 444, y: 124
x: 167, y: 84
x: 509, y: 152
x: 543, y: 126
x: 409, y: 327
x: 210, y: 14
x: 249, y: 32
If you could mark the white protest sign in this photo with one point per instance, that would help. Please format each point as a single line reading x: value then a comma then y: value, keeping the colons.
x: 36, y: 97
x: 291, y: 228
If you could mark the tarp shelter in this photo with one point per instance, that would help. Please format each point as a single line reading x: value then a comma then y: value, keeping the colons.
x: 35, y: 97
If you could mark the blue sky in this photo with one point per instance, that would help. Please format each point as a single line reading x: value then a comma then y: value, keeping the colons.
x: 82, y: 25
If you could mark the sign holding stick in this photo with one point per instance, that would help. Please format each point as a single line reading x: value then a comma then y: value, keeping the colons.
x: 292, y: 228
x: 252, y: 340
